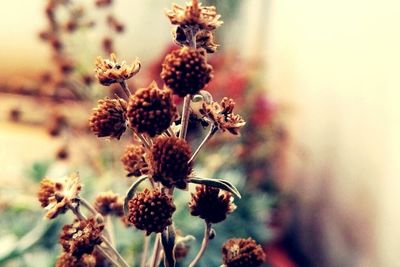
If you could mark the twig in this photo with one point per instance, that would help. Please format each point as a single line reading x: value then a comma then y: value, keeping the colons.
x: 105, y: 254
x: 145, y: 250
x: 212, y: 131
x: 185, y: 116
x: 116, y: 253
x: 125, y: 87
x: 156, y: 251
x: 203, y: 244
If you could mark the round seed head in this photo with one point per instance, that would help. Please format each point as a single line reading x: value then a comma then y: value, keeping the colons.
x: 240, y: 252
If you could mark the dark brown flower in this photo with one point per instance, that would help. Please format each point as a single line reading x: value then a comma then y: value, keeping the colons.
x: 240, y: 252
x: 81, y: 237
x: 211, y: 205
x: 67, y: 260
x: 134, y: 160
x: 185, y: 71
x: 168, y: 159
x: 103, y: 3
x: 151, y: 110
x: 109, y: 203
x: 108, y: 118
x: 151, y: 211
x: 62, y: 153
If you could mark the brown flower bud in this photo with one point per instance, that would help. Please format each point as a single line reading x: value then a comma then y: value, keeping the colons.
x: 168, y: 159
x: 67, y: 260
x: 151, y: 211
x: 109, y: 203
x: 151, y: 110
x: 46, y: 190
x: 81, y: 237
x: 240, y: 252
x: 210, y: 205
x: 134, y: 160
x: 186, y: 71
x: 108, y: 118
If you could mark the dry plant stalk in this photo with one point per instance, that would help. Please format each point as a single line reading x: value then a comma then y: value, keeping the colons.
x: 160, y: 155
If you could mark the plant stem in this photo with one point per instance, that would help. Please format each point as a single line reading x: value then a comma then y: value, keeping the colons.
x: 125, y: 87
x: 185, y: 116
x: 109, y: 229
x: 203, y: 244
x: 212, y: 131
x: 116, y: 253
x: 105, y: 254
x: 87, y: 205
x: 145, y: 250
x: 156, y: 251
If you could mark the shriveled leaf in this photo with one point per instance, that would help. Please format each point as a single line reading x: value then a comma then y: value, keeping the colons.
x: 131, y: 192
x: 218, y: 183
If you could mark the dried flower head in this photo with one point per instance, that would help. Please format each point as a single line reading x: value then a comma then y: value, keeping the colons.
x: 103, y: 3
x: 55, y: 197
x: 109, y: 203
x: 134, y: 160
x: 204, y: 39
x: 151, y: 211
x: 193, y: 15
x: 240, y: 252
x: 67, y: 260
x: 109, y: 71
x: 151, y: 110
x: 186, y: 71
x: 108, y: 118
x: 81, y: 237
x: 46, y: 190
x: 169, y: 161
x: 222, y: 116
x: 211, y: 205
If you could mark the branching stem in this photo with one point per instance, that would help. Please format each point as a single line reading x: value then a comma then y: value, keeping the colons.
x: 203, y: 245
x: 212, y: 131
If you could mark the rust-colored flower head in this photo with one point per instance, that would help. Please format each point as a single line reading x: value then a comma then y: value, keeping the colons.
x: 240, y: 252
x: 151, y: 110
x: 134, y: 160
x: 103, y: 3
x: 46, y: 190
x: 193, y: 15
x: 222, y: 116
x: 204, y: 39
x: 56, y: 196
x: 67, y: 260
x: 151, y: 211
x: 185, y: 71
x: 109, y: 203
x: 108, y: 118
x: 210, y: 204
x: 168, y: 159
x: 109, y: 71
x: 81, y: 237
x: 108, y: 45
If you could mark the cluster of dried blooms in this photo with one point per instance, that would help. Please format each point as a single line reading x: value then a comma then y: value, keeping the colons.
x: 159, y: 155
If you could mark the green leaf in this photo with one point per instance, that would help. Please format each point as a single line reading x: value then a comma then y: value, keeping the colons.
x: 218, y: 183
x: 131, y: 191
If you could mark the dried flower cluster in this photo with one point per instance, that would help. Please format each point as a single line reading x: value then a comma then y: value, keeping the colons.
x: 159, y: 154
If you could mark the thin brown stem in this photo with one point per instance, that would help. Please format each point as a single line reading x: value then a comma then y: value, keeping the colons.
x: 105, y: 254
x: 87, y: 205
x: 145, y: 250
x: 125, y: 87
x: 116, y: 253
x: 212, y: 131
x: 203, y: 245
x: 156, y: 251
x: 185, y: 116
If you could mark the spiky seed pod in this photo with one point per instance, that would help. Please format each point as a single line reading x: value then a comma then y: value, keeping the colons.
x: 109, y: 203
x: 81, y: 237
x: 46, y: 190
x: 211, y: 205
x: 186, y: 71
x: 240, y: 252
x: 108, y: 118
x: 67, y: 260
x: 151, y: 110
x: 134, y: 160
x: 168, y: 159
x: 151, y: 211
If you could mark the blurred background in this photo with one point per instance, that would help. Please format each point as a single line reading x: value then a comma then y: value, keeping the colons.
x: 317, y: 163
